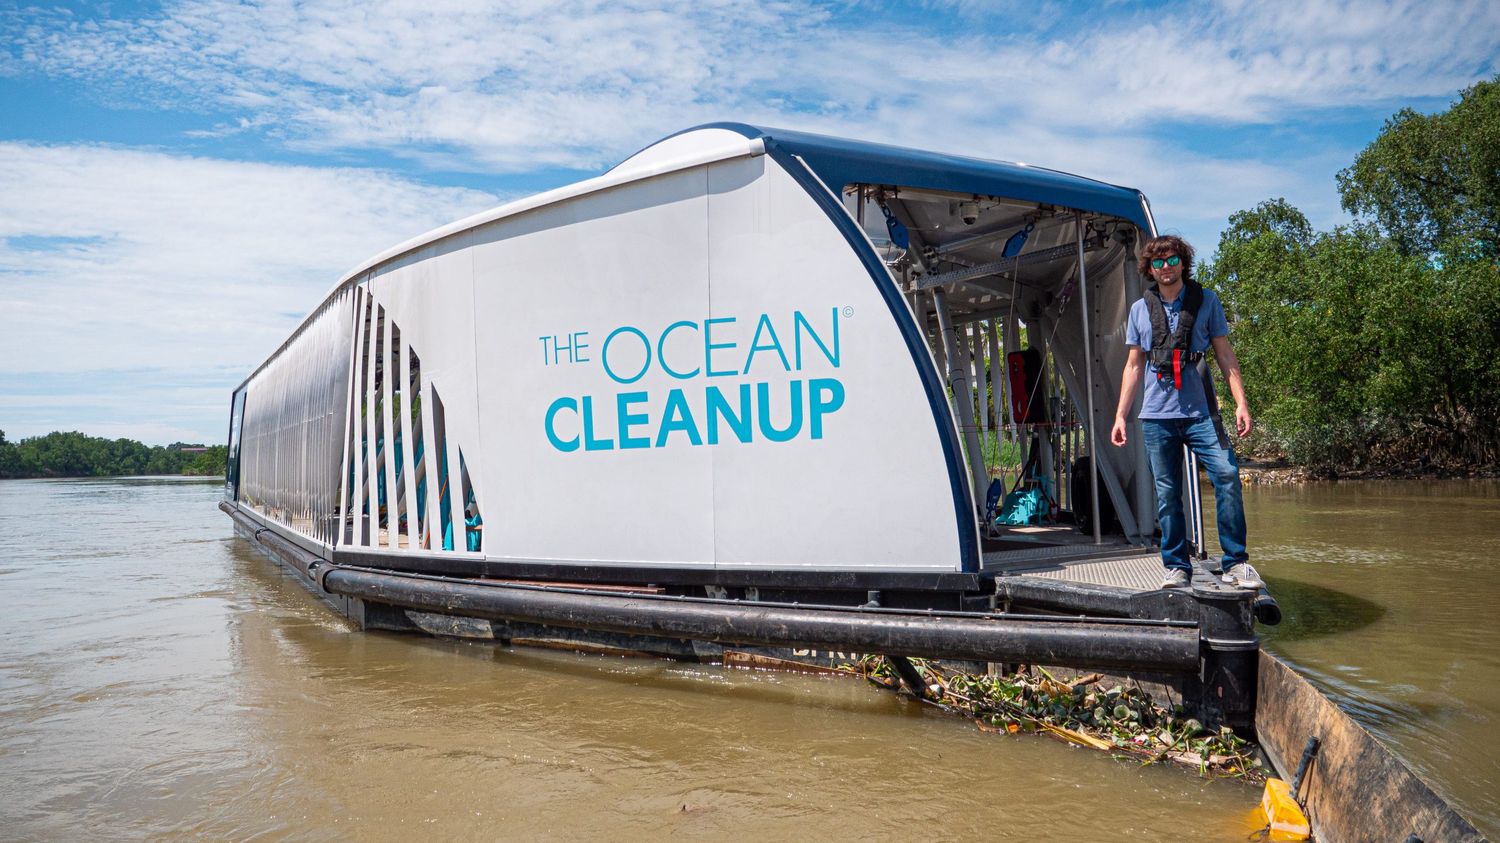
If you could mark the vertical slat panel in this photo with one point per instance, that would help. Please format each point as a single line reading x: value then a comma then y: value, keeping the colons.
x: 387, y: 411
x: 262, y: 444
x: 372, y: 494
x: 419, y: 475
x: 430, y: 458
x: 345, y: 453
x: 456, y: 494
x: 317, y: 411
x: 286, y: 486
x: 303, y: 438
x: 342, y: 393
x: 455, y: 487
x: 338, y: 361
x: 350, y: 478
x: 407, y: 445
x: 306, y: 406
x: 316, y: 465
x: 277, y: 396
x: 277, y: 452
x: 356, y: 453
x: 299, y: 439
x: 278, y: 443
x: 287, y: 441
x: 284, y: 377
x: 361, y: 413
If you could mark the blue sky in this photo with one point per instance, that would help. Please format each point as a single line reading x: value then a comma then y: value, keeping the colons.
x: 181, y: 181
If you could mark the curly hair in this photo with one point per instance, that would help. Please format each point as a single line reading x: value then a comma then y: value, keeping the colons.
x: 1164, y: 246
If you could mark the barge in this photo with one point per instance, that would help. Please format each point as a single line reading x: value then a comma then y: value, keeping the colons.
x: 751, y: 389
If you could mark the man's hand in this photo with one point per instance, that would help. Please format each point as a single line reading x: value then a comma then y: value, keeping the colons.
x: 1130, y: 381
x: 1242, y: 422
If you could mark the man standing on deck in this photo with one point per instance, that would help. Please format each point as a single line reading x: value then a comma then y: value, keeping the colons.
x: 1165, y: 342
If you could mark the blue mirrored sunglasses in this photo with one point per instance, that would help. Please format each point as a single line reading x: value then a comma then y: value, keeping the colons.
x: 1158, y: 263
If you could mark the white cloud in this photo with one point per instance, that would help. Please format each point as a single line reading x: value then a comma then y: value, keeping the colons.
x: 520, y: 84
x: 147, y: 267
x: 517, y: 85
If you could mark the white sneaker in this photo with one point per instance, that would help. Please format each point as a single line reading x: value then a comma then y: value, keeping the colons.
x: 1243, y: 575
x: 1175, y: 578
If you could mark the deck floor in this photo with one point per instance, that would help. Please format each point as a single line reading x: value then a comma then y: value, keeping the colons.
x: 1061, y: 553
x: 1134, y: 573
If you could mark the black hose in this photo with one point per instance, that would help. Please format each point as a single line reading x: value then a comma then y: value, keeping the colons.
x: 1266, y: 609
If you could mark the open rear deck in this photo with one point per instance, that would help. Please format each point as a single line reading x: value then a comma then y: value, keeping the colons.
x: 1062, y: 555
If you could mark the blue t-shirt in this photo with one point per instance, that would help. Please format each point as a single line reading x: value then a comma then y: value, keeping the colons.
x: 1162, y: 400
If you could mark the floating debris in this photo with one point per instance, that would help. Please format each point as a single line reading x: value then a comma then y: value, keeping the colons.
x: 1126, y: 722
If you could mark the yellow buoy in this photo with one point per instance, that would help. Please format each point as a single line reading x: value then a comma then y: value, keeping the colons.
x: 1283, y: 814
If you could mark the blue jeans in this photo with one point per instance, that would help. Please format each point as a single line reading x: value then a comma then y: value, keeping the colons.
x: 1164, y: 439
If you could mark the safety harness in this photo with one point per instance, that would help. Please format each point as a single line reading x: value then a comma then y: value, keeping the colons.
x: 1169, y: 349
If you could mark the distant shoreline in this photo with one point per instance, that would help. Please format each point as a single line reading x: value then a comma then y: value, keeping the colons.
x: 106, y: 476
x: 1285, y: 475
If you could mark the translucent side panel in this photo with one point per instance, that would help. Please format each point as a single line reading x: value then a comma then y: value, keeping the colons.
x: 295, y: 410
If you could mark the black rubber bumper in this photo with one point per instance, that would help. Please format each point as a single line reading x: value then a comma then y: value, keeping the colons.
x: 1127, y: 644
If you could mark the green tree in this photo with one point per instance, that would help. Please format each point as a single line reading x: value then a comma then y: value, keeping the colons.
x: 73, y: 454
x: 1439, y: 375
x: 1432, y: 182
x: 1355, y: 353
x: 59, y: 454
x: 10, y: 461
x: 210, y: 463
x: 1379, y: 343
x: 1295, y: 299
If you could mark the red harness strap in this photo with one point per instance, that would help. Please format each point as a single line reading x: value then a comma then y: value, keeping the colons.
x: 1177, y: 367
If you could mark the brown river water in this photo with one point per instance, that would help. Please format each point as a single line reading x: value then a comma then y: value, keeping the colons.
x: 160, y: 679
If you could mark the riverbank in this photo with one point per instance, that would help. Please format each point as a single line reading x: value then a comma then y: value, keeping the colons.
x: 63, y: 476
x: 1280, y: 474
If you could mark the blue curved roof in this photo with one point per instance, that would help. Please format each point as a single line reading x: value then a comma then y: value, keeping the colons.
x: 839, y: 161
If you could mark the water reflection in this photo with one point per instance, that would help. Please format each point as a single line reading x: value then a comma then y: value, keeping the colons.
x: 1309, y: 611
